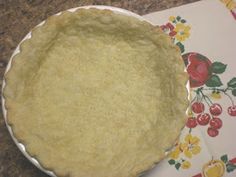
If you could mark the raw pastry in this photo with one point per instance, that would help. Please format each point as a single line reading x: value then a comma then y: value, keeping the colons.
x: 96, y: 94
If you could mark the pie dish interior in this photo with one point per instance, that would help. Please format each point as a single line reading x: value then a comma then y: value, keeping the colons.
x: 98, y: 94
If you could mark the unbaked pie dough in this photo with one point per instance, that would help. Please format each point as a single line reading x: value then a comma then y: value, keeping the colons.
x: 96, y: 94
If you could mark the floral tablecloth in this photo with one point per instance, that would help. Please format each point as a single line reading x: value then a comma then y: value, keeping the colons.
x: 205, y: 33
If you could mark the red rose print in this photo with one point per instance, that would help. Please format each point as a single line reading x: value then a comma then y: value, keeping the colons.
x: 198, y: 68
x: 169, y: 29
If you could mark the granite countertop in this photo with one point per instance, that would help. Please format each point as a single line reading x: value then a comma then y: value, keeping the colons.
x: 17, y: 17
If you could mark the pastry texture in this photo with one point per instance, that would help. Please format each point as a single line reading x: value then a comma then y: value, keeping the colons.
x: 96, y: 94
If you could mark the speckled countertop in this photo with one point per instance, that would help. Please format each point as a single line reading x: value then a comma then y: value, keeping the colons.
x: 17, y: 17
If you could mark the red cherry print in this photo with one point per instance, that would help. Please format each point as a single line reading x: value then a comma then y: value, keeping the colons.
x: 232, y: 110
x: 216, y: 123
x: 191, y: 122
x: 233, y: 161
x: 203, y: 119
x: 212, y: 132
x: 197, y: 107
x: 215, y: 109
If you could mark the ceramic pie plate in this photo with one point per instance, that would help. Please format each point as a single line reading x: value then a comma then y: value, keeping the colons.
x: 17, y: 50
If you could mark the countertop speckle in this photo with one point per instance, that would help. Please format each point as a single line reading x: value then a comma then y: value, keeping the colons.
x: 17, y: 18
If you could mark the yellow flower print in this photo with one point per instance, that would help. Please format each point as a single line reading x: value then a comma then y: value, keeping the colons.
x: 179, y: 148
x: 191, y: 146
x: 216, y: 95
x: 171, y: 18
x: 182, y: 32
x: 186, y: 165
x: 175, y: 153
x: 230, y: 4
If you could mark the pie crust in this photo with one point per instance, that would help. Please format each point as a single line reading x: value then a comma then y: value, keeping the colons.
x: 96, y: 94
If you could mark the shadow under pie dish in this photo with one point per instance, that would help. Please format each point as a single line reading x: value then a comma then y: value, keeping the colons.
x: 96, y: 93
